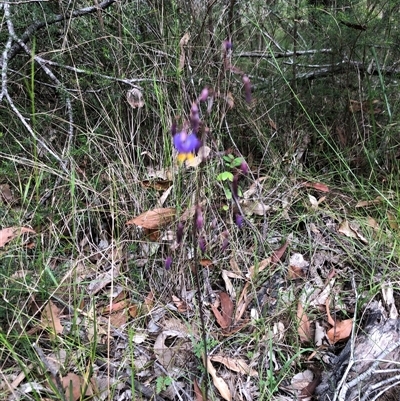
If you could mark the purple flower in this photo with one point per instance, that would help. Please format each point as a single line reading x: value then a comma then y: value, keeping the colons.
x: 228, y: 45
x: 186, y: 145
x: 239, y: 220
x: 168, y: 263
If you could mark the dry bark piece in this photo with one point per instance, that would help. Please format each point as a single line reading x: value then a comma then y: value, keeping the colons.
x: 376, y: 350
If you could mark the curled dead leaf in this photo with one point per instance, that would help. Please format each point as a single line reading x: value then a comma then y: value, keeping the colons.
x: 135, y: 98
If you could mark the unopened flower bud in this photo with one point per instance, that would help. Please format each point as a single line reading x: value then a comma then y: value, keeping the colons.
x: 227, y: 45
x: 225, y: 242
x: 239, y: 220
x: 247, y: 88
x: 202, y: 244
x: 173, y: 128
x: 244, y: 167
x: 199, y: 217
x: 179, y: 232
x: 168, y: 263
x: 194, y: 118
x: 235, y: 187
x: 203, y: 95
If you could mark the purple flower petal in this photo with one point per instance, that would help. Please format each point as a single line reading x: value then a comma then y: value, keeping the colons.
x: 185, y: 143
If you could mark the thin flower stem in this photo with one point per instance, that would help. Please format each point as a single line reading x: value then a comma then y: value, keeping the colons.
x: 197, y: 279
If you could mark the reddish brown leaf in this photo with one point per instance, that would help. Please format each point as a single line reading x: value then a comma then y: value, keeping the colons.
x: 316, y: 185
x: 341, y: 329
x: 197, y: 392
x: 133, y: 310
x: 153, y: 219
x: 224, y: 318
x: 116, y: 306
x: 9, y: 233
x: 181, y: 305
x: 277, y: 255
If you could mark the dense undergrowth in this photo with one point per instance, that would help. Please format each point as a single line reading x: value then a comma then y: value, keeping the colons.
x: 88, y: 307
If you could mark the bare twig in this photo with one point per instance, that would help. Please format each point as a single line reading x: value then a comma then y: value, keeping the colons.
x: 32, y: 29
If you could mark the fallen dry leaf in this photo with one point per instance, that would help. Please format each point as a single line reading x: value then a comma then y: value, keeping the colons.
x: 224, y: 318
x: 277, y: 255
x: 341, y: 329
x: 228, y: 284
x: 376, y: 201
x: 316, y: 185
x: 346, y: 230
x: 153, y: 219
x: 254, y: 188
x: 9, y: 233
x: 302, y: 379
x: 157, y: 184
x: 197, y: 391
x: 118, y: 319
x: 297, y: 266
x: 258, y: 268
x: 219, y: 383
x: 250, y: 207
x: 5, y: 193
x: 304, y: 324
x: 116, y: 306
x: 51, y: 319
x: 73, y: 386
x: 393, y: 224
x: 181, y: 305
x: 236, y: 364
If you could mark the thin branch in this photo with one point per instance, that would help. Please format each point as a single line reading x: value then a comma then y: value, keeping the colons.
x: 266, y: 54
x: 32, y: 29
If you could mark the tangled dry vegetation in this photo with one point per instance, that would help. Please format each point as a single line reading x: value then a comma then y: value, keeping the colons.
x: 279, y: 304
